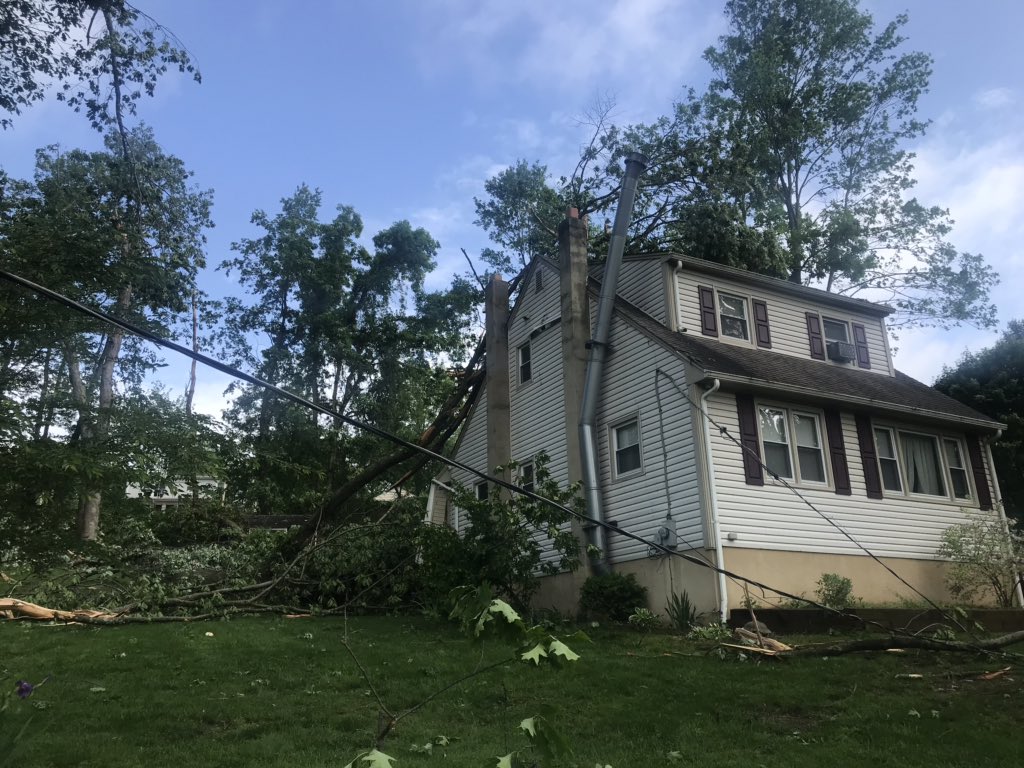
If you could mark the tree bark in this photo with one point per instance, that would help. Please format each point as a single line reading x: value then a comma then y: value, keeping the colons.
x: 910, y: 641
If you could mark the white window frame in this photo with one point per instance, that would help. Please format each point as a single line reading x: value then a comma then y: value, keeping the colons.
x: 747, y: 317
x: 891, y: 432
x: 939, y: 440
x: 792, y: 446
x: 481, y: 491
x: 614, y: 448
x: 527, y: 365
x: 848, y: 337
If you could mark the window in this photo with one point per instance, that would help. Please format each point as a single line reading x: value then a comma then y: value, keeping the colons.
x: 889, y: 465
x: 836, y: 330
x: 525, y: 370
x: 915, y: 463
x: 957, y: 469
x: 784, y: 431
x: 525, y: 478
x: 733, y: 314
x: 626, y: 447
x: 481, y: 491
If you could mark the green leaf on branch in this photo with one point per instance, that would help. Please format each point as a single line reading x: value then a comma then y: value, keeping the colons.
x: 558, y: 649
x: 534, y: 654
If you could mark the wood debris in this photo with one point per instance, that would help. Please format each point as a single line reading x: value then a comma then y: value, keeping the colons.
x: 11, y: 608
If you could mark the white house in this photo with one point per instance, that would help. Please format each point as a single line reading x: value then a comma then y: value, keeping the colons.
x: 794, y: 377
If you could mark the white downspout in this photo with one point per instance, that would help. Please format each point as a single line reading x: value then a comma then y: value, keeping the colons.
x: 998, y: 504
x: 709, y: 463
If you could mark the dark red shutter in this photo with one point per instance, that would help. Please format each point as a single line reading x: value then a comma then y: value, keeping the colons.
x: 869, y: 456
x: 708, y: 315
x: 837, y: 452
x: 761, y: 329
x: 814, y: 336
x: 860, y: 340
x: 978, y: 470
x: 748, y: 437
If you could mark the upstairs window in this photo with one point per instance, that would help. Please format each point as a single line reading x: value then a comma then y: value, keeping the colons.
x: 525, y: 368
x: 836, y: 330
x: 732, y: 312
x: 626, y: 447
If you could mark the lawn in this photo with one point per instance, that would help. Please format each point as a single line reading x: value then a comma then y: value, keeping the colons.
x: 285, y: 692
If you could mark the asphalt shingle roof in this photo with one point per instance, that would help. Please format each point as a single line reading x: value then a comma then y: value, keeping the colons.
x: 763, y: 368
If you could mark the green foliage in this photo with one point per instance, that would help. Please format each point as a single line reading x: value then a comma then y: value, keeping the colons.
x: 644, y: 620
x: 480, y: 615
x: 83, y: 46
x: 716, y: 633
x: 992, y: 381
x: 346, y: 325
x: 612, y: 596
x: 367, y: 565
x: 500, y: 542
x: 682, y: 614
x: 834, y: 591
x: 985, y: 561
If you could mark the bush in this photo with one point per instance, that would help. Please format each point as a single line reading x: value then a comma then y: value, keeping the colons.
x: 681, y: 612
x: 501, y: 543
x: 835, y: 591
x: 612, y: 596
x: 984, y: 560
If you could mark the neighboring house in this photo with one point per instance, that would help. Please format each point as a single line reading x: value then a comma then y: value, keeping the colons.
x: 801, y: 378
x: 168, y: 496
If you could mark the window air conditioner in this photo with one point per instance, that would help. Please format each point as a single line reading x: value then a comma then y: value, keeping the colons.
x: 841, y: 351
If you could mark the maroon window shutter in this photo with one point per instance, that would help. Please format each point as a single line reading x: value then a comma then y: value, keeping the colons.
x: 869, y: 456
x: 708, y: 316
x: 978, y: 470
x: 860, y: 341
x: 814, y: 336
x: 748, y: 438
x: 761, y: 329
x: 837, y: 451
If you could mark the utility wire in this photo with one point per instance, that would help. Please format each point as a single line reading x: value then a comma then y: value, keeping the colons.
x: 400, y: 441
x: 724, y: 431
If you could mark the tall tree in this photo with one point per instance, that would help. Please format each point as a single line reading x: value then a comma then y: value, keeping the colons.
x: 992, y: 381
x: 99, y: 55
x: 125, y: 235
x: 796, y: 163
x: 348, y: 327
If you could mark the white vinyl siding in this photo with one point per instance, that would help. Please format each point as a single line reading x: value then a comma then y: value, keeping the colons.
x: 637, y: 501
x: 471, y: 450
x: 538, y: 410
x: 772, y: 517
x: 787, y: 315
x: 641, y: 283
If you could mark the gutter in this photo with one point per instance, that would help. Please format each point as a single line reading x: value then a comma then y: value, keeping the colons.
x: 1018, y: 591
x: 598, y: 349
x: 761, y: 384
x: 716, y: 530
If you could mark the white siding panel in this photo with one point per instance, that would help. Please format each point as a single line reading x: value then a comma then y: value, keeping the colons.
x: 786, y: 317
x: 773, y: 517
x: 641, y: 282
x: 472, y: 448
x: 638, y: 502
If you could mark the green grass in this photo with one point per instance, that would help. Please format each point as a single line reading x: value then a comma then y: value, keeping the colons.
x: 280, y: 692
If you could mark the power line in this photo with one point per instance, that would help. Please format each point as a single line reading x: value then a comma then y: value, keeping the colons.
x: 400, y: 441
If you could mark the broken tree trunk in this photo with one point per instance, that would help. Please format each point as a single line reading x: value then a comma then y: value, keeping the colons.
x: 903, y: 642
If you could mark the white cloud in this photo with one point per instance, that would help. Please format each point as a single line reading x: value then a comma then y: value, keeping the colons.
x: 994, y: 98
x: 642, y: 48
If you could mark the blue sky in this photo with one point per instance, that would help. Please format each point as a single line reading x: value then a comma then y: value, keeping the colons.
x: 404, y: 109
